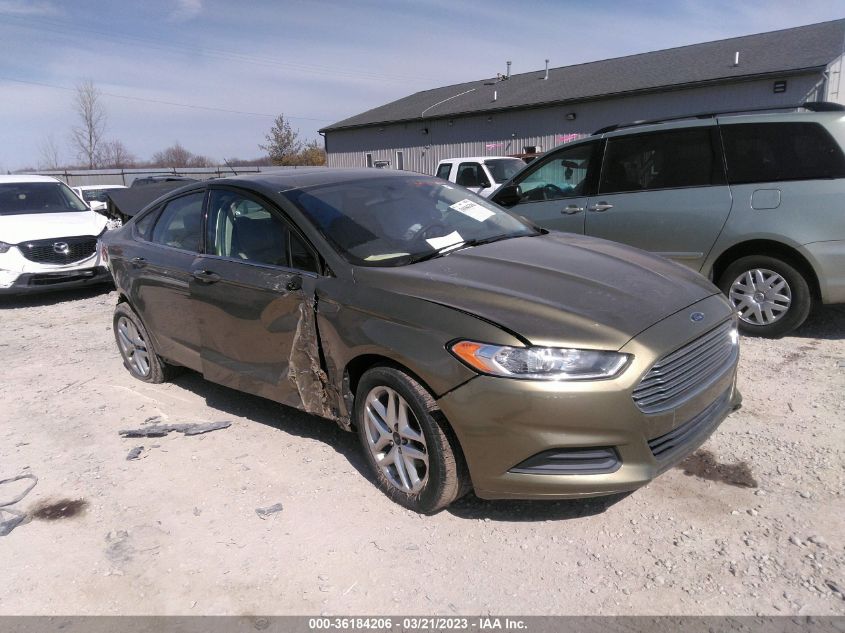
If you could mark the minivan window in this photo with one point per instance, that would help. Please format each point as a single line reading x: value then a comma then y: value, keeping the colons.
x: 180, y: 223
x: 666, y: 160
x: 563, y: 174
x: 770, y: 152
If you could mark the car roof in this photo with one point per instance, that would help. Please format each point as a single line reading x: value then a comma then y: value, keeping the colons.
x: 90, y: 187
x: 478, y: 159
x: 313, y: 176
x: 16, y: 178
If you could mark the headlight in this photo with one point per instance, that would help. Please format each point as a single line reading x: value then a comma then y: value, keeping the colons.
x: 539, y: 363
x: 4, y: 248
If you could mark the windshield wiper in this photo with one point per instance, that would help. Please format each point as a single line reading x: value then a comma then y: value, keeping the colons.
x: 445, y: 250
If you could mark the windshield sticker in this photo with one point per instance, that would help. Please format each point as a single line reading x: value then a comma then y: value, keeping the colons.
x: 453, y: 239
x: 473, y: 210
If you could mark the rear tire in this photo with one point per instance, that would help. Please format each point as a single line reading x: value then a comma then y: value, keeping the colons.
x: 410, y: 447
x: 136, y: 347
x: 771, y: 296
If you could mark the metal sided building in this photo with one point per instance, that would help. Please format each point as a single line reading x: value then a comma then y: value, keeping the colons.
x: 542, y: 109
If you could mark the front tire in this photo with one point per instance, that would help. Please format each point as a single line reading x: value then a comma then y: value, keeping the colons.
x: 409, y: 445
x: 136, y: 347
x: 771, y: 297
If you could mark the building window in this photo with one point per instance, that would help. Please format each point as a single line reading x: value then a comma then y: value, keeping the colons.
x: 400, y: 160
x: 369, y: 160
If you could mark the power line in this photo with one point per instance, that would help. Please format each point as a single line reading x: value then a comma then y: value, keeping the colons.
x: 162, y: 102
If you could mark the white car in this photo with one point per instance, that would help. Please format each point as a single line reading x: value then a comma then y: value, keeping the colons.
x: 48, y: 237
x: 479, y: 174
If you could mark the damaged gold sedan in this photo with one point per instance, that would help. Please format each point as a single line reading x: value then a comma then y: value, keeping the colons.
x: 466, y: 347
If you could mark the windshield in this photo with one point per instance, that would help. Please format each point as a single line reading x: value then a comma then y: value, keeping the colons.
x: 503, y: 169
x: 18, y: 198
x: 95, y: 195
x: 396, y: 221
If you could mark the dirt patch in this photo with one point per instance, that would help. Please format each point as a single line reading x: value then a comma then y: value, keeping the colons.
x: 703, y: 464
x: 61, y: 509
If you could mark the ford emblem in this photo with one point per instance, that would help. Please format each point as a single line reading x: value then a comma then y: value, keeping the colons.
x: 696, y: 316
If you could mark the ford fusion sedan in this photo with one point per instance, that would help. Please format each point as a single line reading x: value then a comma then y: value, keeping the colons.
x: 467, y: 348
x: 48, y: 237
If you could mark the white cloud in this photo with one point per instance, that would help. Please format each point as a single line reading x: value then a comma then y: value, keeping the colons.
x: 21, y: 7
x: 186, y: 10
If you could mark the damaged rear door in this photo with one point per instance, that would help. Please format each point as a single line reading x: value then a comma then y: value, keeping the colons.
x: 253, y: 292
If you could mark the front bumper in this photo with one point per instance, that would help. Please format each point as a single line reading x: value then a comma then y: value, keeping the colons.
x: 28, y: 283
x: 501, y: 423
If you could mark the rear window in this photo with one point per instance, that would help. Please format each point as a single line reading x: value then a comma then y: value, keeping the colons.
x: 770, y: 152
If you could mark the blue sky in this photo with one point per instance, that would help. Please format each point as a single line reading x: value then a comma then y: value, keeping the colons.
x: 316, y: 61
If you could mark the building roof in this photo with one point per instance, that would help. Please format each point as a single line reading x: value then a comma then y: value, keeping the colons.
x: 787, y: 51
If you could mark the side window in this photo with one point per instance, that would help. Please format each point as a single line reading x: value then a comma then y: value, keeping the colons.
x: 144, y: 225
x: 667, y: 160
x: 470, y: 175
x: 769, y: 152
x: 301, y: 257
x: 241, y: 228
x: 443, y: 171
x: 564, y: 174
x: 180, y: 223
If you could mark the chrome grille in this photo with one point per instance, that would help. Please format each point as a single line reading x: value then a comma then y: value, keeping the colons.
x: 59, y: 250
x: 679, y: 375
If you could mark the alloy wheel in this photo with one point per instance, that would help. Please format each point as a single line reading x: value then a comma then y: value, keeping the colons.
x: 133, y: 347
x: 395, y: 439
x: 760, y: 296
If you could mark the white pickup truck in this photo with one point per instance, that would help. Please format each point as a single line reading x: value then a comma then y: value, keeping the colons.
x: 479, y: 174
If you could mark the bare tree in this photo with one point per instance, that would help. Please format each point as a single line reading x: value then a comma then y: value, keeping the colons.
x: 86, y: 136
x: 50, y: 154
x: 115, y: 155
x: 283, y: 143
x: 178, y: 156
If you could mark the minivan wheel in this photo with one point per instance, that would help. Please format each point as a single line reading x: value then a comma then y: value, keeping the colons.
x: 770, y: 296
x: 407, y: 442
x: 136, y: 347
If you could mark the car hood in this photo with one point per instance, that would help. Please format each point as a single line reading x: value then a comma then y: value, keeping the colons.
x: 15, y: 229
x: 555, y: 290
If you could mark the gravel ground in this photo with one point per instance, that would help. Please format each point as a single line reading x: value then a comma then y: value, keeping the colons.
x: 751, y: 524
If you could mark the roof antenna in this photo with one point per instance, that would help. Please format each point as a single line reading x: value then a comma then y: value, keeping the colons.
x: 547, y: 70
x: 736, y: 58
x: 508, y: 76
x: 230, y: 167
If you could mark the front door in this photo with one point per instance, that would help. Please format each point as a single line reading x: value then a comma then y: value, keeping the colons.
x: 554, y: 189
x: 253, y: 296
x: 662, y: 192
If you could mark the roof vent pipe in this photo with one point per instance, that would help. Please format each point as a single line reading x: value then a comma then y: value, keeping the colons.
x: 736, y: 58
x: 547, y: 70
x: 508, y: 76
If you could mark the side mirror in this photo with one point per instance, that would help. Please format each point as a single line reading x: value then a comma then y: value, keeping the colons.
x: 508, y: 195
x: 485, y: 184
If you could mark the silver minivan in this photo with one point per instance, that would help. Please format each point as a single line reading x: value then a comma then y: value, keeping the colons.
x: 756, y: 202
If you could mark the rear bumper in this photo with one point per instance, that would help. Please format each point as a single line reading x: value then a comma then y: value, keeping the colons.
x: 501, y: 423
x: 28, y: 283
x: 828, y: 260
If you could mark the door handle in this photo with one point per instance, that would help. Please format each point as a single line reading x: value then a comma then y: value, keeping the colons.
x: 572, y: 209
x: 205, y: 276
x: 600, y: 207
x: 138, y: 262
x: 294, y: 283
